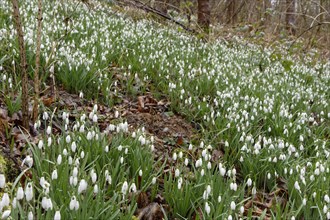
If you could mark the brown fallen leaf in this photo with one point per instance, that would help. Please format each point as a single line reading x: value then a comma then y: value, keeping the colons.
x: 142, y: 200
x: 152, y: 212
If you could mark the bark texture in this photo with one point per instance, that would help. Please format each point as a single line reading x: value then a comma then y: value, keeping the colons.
x: 204, y: 14
x: 20, y: 36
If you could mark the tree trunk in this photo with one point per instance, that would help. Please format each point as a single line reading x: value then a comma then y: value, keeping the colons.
x: 204, y: 14
x: 20, y: 37
x: 290, y: 16
x: 35, y: 111
x: 231, y: 11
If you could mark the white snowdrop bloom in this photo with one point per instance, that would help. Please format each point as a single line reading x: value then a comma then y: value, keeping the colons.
x: 75, y: 172
x: 177, y: 172
x: 254, y: 190
x: 325, y: 209
x: 198, y: 163
x: 190, y: 147
x: 20, y: 193
x: 57, y: 215
x: 49, y: 141
x: 74, y: 204
x: 95, y: 107
x: 54, y: 175
x: 293, y: 218
x: 152, y: 148
x: 202, y: 172
x: 14, y: 203
x: 208, y: 189
x: 296, y: 186
x: 45, y: 116
x: 5, y: 214
x: 174, y: 157
x: 49, y: 130
x: 40, y: 144
x: 120, y: 148
x: 28, y: 192
x: 116, y: 114
x: 81, y: 95
x: 232, y: 205
x: 106, y: 148
x: 30, y: 215
x: 126, y: 150
x: 91, y: 114
x: 68, y: 139
x: 249, y: 182
x: 241, y: 210
x: 233, y: 186
x: 207, y: 208
x: 153, y: 181
x: 46, y: 203
x: 5, y: 201
x: 269, y: 176
x: 124, y: 188
x: 65, y: 152
x: 186, y: 161
x: 64, y: 115
x: 82, y: 128
x: 304, y: 201
x: 73, y: 146
x: 180, y: 154
x: 230, y: 217
x: 93, y: 177
x: 82, y: 186
x: 209, y: 166
x: 219, y: 199
x: 132, y: 188
x: 96, y: 189
x: 89, y: 135
x: 226, y: 144
x: 327, y: 198
x: 95, y: 118
x: 82, y: 154
x: 317, y: 171
x: 2, y: 181
x: 328, y: 215
x: 70, y: 160
x: 121, y: 160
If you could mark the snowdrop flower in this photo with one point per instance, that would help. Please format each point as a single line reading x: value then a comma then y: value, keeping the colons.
x: 82, y: 154
x: 95, y: 118
x: 207, y: 208
x: 82, y: 186
x: 177, y: 172
x: 2, y: 181
x: 202, y: 172
x: 140, y: 172
x: 89, y: 135
x: 96, y: 189
x: 296, y: 186
x: 241, y: 209
x: 174, y: 156
x: 74, y: 204
x: 28, y: 192
x: 57, y: 215
x: 30, y: 216
x: 93, y: 176
x: 20, y: 193
x: 73, y: 146
x: 49, y: 141
x: 232, y: 205
x: 230, y: 217
x: 254, y: 190
x: 5, y: 201
x: 14, y: 203
x: 327, y: 198
x: 68, y: 139
x: 5, y: 214
x: 46, y: 203
x: 132, y: 188
x: 198, y: 163
x: 124, y: 188
x: 40, y: 144
x: 249, y: 182
x: 54, y: 175
x: 75, y: 172
x: 59, y: 159
x: 186, y: 161
x: 153, y: 181
x: 304, y: 201
x: 28, y: 161
x: 233, y: 186
x: 45, y: 116
x: 106, y: 148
